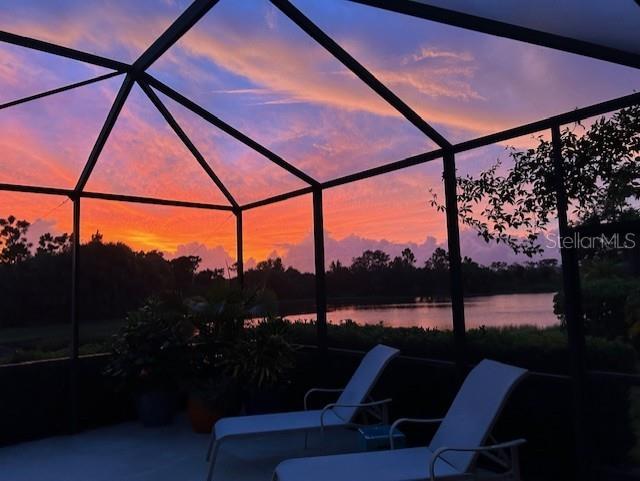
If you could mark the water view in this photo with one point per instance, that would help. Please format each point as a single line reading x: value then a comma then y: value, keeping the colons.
x: 499, y: 310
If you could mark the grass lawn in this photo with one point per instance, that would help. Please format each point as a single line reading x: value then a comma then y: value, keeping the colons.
x: 19, y: 344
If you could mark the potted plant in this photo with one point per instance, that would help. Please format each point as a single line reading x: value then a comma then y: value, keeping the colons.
x: 209, y: 400
x: 260, y: 362
x: 148, y: 357
x: 219, y: 318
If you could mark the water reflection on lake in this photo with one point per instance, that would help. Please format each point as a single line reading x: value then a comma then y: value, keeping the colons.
x: 499, y: 310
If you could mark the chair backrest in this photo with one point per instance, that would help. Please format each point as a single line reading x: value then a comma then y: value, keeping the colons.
x: 364, y: 379
x: 474, y: 411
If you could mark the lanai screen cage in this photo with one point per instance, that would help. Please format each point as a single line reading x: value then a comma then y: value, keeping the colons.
x: 603, y: 30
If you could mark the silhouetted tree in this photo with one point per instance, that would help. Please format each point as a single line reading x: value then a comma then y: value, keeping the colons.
x: 439, y: 261
x: 270, y: 265
x: 370, y: 261
x: 49, y: 244
x: 602, y: 179
x: 15, y: 247
x: 97, y: 237
x: 184, y: 269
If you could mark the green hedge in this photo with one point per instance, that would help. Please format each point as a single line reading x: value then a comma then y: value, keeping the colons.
x: 538, y: 349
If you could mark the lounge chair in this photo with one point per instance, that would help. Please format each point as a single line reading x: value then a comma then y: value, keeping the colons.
x: 452, y: 452
x: 340, y: 414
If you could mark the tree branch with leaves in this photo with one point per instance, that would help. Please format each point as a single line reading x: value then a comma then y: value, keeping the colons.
x: 516, y: 205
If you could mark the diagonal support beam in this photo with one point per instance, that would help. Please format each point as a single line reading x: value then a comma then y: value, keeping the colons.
x: 228, y: 129
x: 61, y: 51
x: 119, y: 101
x: 359, y: 70
x: 278, y: 198
x: 58, y: 90
x: 503, y: 29
x: 187, y: 142
x: 171, y: 35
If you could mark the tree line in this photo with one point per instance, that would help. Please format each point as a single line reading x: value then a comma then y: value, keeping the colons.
x: 375, y: 275
x: 35, y: 281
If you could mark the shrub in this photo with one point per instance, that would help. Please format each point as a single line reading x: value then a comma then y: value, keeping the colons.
x: 527, y: 346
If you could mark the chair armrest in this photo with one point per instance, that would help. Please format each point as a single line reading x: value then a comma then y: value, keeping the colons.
x: 400, y: 421
x: 329, y: 407
x: 317, y: 389
x: 512, y: 445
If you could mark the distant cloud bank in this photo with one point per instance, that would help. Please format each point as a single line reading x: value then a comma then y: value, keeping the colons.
x: 300, y: 255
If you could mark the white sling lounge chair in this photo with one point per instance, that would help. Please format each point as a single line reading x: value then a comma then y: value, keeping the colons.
x: 335, y: 415
x: 453, y: 449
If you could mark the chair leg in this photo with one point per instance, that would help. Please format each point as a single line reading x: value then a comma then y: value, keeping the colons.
x: 212, y: 441
x: 212, y: 462
x: 515, y: 464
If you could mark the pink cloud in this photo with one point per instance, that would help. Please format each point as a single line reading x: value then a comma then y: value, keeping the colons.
x: 213, y: 257
x: 300, y: 255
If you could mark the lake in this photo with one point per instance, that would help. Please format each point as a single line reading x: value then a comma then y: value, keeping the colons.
x: 498, y: 310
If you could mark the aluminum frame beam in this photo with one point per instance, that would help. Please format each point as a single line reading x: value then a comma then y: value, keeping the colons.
x: 239, y: 249
x: 103, y: 136
x: 75, y: 325
x: 58, y: 90
x: 320, y: 274
x: 228, y: 129
x: 60, y: 51
x: 455, y: 261
x: 187, y: 142
x: 35, y: 189
x: 573, y: 314
x: 506, y: 30
x: 278, y: 198
x: 154, y: 201
x: 359, y: 70
x: 171, y: 35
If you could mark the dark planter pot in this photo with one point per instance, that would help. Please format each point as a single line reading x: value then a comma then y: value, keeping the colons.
x: 156, y: 408
x: 201, y: 415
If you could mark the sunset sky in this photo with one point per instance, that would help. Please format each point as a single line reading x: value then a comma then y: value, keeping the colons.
x: 251, y: 66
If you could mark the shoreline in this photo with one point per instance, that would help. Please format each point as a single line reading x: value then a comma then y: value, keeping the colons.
x: 294, y: 307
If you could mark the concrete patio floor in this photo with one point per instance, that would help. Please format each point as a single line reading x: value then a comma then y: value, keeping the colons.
x: 130, y: 452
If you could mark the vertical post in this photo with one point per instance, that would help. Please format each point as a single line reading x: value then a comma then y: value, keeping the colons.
x: 455, y: 259
x: 321, y: 289
x: 75, y: 342
x: 572, y: 311
x: 239, y: 249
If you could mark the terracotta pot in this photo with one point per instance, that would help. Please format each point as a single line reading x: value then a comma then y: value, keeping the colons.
x: 202, y: 416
